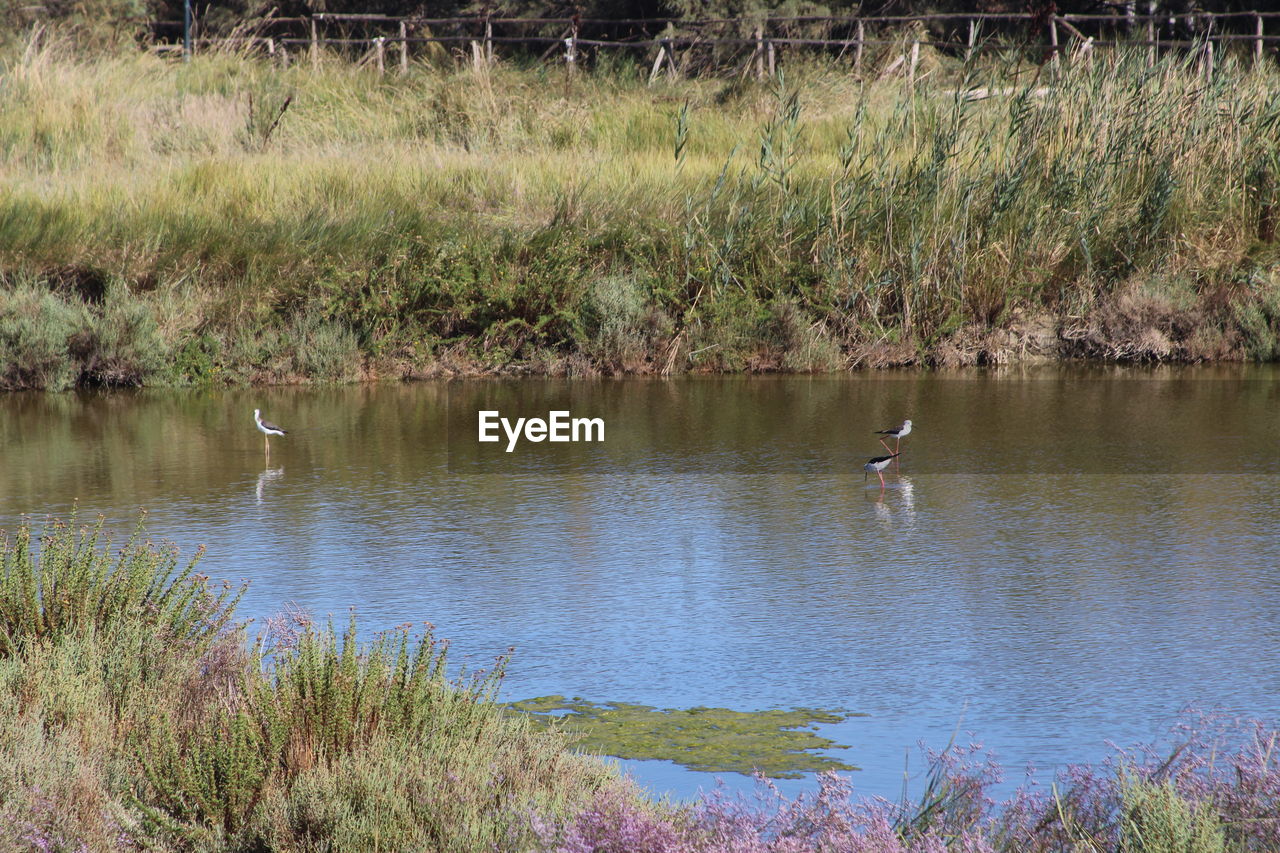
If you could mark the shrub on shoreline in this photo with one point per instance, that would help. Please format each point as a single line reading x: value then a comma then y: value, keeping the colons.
x: 133, y: 714
x: 1216, y: 790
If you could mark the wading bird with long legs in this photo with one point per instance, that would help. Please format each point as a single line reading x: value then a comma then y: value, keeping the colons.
x: 897, y: 434
x: 878, y: 464
x: 267, y: 428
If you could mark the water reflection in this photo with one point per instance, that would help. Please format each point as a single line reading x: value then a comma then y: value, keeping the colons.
x: 895, y: 505
x: 1037, y: 552
x: 908, y: 491
x: 270, y: 475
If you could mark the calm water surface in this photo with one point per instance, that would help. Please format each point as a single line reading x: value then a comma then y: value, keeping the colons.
x: 1063, y: 556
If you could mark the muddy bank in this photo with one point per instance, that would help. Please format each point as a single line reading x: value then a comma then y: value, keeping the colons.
x: 1134, y: 326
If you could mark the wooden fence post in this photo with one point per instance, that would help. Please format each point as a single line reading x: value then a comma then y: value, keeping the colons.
x: 857, y: 54
x: 1053, y: 39
x: 915, y: 60
x: 1086, y: 51
x: 315, y: 44
x: 1257, y: 44
x: 488, y: 40
x: 657, y: 62
x: 404, y: 48
x: 759, y: 53
x: 773, y: 60
x: 1151, y: 33
x: 380, y: 48
x: 571, y: 48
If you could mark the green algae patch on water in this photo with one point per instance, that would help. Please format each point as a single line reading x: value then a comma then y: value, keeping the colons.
x: 780, y: 744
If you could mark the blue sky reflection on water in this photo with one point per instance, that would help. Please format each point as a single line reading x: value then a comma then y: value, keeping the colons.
x: 1061, y: 559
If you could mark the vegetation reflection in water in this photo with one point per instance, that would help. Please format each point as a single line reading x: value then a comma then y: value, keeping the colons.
x: 775, y: 742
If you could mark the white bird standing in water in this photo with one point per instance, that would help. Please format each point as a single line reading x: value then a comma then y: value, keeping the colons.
x: 898, y: 433
x: 267, y: 428
x: 878, y: 464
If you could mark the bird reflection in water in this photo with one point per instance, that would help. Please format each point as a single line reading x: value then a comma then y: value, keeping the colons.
x: 897, y: 504
x: 270, y: 475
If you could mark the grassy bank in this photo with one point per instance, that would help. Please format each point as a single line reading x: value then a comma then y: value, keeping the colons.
x: 134, y: 716
x: 233, y: 221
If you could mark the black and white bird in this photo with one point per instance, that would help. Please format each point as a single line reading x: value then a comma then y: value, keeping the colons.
x: 267, y: 428
x: 897, y: 433
x: 878, y: 464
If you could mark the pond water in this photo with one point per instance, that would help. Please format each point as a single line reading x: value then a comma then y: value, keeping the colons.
x: 1062, y: 556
